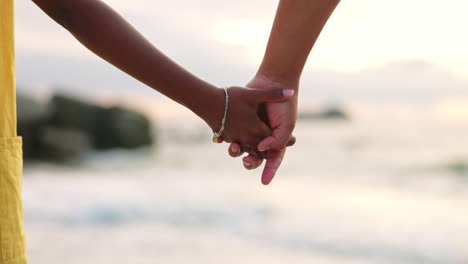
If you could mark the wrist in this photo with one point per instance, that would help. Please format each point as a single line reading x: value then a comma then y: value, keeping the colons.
x: 266, y: 80
x: 287, y: 79
x: 210, y: 107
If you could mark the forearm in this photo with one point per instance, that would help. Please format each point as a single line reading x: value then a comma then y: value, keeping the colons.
x: 109, y: 36
x: 297, y: 25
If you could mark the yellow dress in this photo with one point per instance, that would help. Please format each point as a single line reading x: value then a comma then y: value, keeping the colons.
x: 12, y: 243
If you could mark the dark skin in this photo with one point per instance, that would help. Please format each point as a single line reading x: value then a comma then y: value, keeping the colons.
x: 111, y: 37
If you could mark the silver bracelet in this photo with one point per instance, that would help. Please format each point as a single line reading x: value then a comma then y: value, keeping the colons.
x: 217, y: 135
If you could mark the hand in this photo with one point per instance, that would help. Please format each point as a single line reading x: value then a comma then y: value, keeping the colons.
x: 281, y: 116
x: 254, y: 160
x: 242, y: 122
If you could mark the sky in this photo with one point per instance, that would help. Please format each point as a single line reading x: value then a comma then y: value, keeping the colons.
x: 370, y: 50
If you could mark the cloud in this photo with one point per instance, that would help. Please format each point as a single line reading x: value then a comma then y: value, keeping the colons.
x: 410, y: 81
x: 361, y: 33
x: 364, y: 54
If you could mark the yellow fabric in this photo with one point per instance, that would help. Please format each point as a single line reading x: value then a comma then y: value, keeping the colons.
x: 7, y: 71
x: 12, y: 245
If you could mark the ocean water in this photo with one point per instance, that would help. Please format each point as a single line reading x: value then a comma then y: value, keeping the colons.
x: 373, y: 190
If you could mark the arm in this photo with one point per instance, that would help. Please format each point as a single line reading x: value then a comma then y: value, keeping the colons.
x: 297, y: 25
x: 108, y: 35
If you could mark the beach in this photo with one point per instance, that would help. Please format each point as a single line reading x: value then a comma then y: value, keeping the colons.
x: 371, y: 190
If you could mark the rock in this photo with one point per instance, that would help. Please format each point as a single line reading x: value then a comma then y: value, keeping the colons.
x: 31, y: 115
x: 108, y: 128
x: 330, y: 113
x: 62, y: 145
x: 122, y: 128
x: 459, y: 167
x: 31, y: 111
x: 66, y: 127
x: 76, y: 114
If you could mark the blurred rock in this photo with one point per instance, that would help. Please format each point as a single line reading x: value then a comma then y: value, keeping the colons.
x: 65, y: 127
x: 458, y: 167
x: 108, y: 128
x: 73, y: 113
x: 330, y: 113
x: 32, y: 115
x: 61, y: 145
x: 122, y: 128
x: 32, y: 111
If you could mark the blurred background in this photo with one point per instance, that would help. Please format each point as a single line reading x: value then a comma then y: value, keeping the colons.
x: 117, y: 173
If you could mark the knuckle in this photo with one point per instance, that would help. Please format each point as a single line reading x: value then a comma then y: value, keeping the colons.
x: 227, y: 139
x: 278, y: 93
x: 253, y: 141
x: 290, y: 126
x: 262, y: 130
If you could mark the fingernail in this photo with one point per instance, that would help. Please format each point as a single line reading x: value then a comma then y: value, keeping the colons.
x: 263, y: 148
x: 288, y: 92
x: 247, y: 164
x: 235, y: 149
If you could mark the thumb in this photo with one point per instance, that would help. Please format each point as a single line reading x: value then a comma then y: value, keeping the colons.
x: 273, y: 95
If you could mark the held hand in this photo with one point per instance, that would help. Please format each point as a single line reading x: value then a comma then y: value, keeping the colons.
x: 281, y: 116
x: 242, y: 121
x: 254, y: 160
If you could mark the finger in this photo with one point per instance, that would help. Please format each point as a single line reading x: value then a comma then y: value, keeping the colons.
x: 259, y: 133
x: 292, y: 141
x: 272, y: 95
x: 252, y: 162
x: 272, y: 164
x: 235, y: 150
x: 246, y: 147
x: 258, y: 162
x: 278, y: 140
x: 262, y: 131
x: 262, y: 114
x: 256, y: 153
x: 250, y: 144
